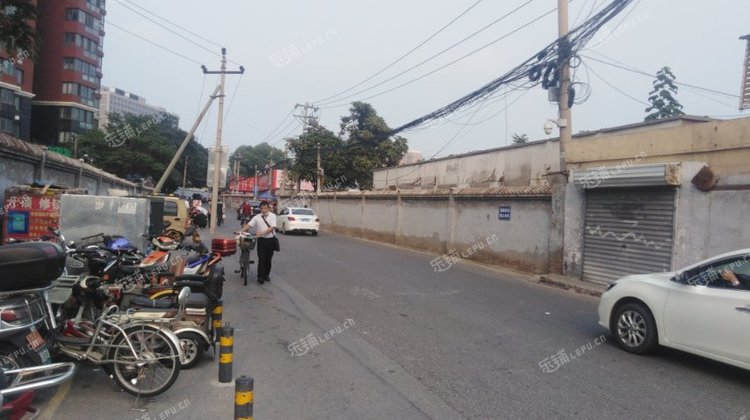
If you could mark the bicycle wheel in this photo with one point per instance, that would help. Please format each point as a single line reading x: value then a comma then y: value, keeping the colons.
x: 244, y: 263
x: 159, y: 365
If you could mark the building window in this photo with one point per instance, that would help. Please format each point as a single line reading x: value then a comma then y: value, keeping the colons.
x: 70, y: 88
x: 9, y: 126
x: 89, y: 46
x: 19, y: 76
x: 88, y: 71
x: 7, y: 97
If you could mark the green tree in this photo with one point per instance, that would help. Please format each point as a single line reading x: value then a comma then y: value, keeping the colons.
x: 260, y: 155
x: 368, y: 144
x: 137, y: 148
x: 520, y: 138
x: 16, y: 33
x: 662, y: 97
x: 305, y: 151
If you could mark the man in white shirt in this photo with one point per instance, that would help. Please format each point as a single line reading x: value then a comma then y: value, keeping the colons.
x: 263, y: 225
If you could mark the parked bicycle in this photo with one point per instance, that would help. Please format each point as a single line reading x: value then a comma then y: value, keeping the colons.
x: 143, y: 357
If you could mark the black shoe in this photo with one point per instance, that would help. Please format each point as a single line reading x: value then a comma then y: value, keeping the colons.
x: 260, y: 280
x: 267, y: 278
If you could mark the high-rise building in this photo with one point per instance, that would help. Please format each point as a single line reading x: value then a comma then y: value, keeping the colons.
x: 16, y: 90
x: 68, y: 74
x: 118, y: 101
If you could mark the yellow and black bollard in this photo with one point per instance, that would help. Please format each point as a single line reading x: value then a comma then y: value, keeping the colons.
x: 216, y: 316
x: 226, y: 344
x: 243, y: 398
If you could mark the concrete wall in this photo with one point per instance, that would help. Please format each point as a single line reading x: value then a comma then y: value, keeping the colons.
x: 23, y: 163
x: 723, y: 145
x: 446, y: 222
x: 709, y: 223
x: 516, y: 165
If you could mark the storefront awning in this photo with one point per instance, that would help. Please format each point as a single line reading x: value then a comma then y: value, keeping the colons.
x: 621, y: 176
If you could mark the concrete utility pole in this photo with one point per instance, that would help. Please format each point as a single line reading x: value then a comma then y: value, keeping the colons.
x: 317, y: 183
x: 219, y: 126
x: 185, y: 142
x: 283, y: 170
x: 184, y: 172
x: 745, y: 91
x: 255, y: 184
x: 309, y: 115
x: 565, y: 115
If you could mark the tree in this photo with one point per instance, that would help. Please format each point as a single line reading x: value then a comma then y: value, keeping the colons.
x: 368, y: 144
x: 520, y: 138
x: 260, y: 155
x: 16, y: 32
x: 305, y: 151
x: 143, y: 148
x: 662, y: 97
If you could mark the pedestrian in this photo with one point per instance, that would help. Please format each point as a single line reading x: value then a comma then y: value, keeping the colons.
x: 219, y: 212
x: 264, y: 224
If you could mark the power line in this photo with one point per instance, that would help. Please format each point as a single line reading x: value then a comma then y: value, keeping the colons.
x: 172, y: 23
x: 404, y: 55
x: 287, y: 133
x: 629, y: 68
x: 278, y: 126
x: 448, y: 49
x: 234, y: 95
x: 541, y: 68
x: 109, y: 22
x: 452, y: 62
x: 175, y: 25
x: 166, y: 28
x: 588, y: 68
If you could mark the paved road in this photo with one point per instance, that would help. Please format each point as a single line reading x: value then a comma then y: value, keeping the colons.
x: 465, y: 343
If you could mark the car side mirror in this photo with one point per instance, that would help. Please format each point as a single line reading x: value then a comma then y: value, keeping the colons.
x: 680, y: 277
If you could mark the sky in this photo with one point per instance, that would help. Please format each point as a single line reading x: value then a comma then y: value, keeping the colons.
x: 299, y: 51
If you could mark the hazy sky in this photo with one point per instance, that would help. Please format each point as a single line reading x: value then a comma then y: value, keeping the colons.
x: 301, y: 51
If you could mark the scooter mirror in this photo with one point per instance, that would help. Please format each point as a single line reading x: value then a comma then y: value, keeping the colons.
x: 184, y: 296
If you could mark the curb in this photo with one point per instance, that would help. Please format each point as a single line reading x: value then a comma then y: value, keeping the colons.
x: 566, y: 285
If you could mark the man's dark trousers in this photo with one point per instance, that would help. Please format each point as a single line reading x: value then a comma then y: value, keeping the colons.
x: 265, y: 254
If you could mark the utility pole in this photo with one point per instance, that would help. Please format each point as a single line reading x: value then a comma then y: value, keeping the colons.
x: 317, y: 183
x: 564, y: 122
x: 219, y: 126
x: 184, y: 172
x: 745, y: 91
x: 255, y: 184
x: 309, y: 115
x: 185, y: 142
x: 283, y: 168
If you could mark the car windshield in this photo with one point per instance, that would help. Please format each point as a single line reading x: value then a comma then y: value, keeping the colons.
x: 303, y: 212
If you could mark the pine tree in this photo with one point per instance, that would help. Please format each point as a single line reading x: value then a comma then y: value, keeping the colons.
x: 662, y: 97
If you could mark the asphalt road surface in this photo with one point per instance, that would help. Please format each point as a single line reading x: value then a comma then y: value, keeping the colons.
x: 350, y: 329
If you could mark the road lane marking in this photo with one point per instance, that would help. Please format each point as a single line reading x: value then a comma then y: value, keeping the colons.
x: 54, y: 403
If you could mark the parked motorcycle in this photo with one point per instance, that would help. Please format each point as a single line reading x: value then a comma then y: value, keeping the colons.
x: 143, y: 357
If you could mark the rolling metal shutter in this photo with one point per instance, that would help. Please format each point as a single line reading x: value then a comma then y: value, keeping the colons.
x: 627, y: 231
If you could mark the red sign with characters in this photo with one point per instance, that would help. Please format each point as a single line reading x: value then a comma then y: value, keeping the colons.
x: 28, y: 214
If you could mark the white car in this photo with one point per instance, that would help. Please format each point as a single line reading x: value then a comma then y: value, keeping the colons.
x: 700, y: 309
x: 297, y: 219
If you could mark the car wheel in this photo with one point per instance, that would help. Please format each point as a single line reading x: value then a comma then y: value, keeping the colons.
x: 315, y: 233
x: 635, y: 329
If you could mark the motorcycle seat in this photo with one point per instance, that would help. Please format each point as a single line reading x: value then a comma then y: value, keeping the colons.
x: 197, y: 300
x: 132, y: 269
x: 145, y: 302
